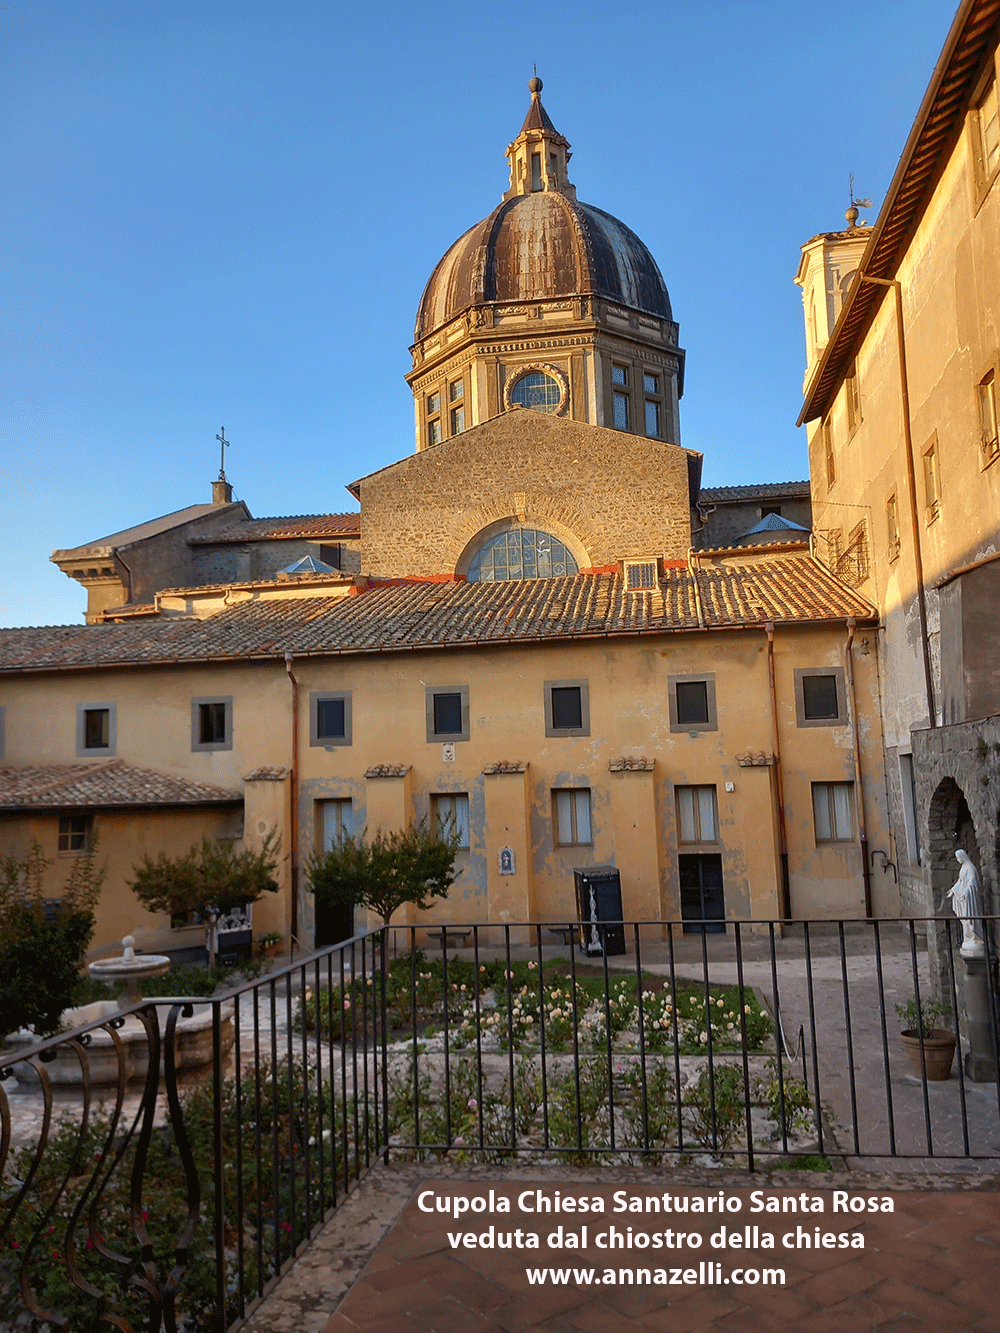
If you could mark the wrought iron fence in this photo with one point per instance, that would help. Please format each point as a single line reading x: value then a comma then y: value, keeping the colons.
x: 176, y: 1201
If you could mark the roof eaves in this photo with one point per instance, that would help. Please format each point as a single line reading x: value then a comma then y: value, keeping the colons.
x: 935, y: 128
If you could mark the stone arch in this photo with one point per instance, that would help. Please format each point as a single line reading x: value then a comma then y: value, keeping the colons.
x: 950, y: 828
x: 556, y: 530
x: 573, y: 529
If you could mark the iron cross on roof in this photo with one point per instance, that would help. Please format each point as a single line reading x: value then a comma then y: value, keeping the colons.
x: 223, y: 446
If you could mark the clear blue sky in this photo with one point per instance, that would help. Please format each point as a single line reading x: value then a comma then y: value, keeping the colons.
x: 224, y: 214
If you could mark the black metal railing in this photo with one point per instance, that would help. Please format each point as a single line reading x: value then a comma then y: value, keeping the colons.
x: 176, y: 1200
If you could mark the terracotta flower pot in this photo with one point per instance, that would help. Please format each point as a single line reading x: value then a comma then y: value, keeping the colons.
x: 939, y: 1052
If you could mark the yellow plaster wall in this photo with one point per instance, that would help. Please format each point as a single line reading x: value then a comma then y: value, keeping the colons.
x: 632, y: 812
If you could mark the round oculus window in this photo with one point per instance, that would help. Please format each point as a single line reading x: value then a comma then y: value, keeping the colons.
x: 538, y: 390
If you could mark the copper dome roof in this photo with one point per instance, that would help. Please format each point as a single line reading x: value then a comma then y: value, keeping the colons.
x: 539, y: 246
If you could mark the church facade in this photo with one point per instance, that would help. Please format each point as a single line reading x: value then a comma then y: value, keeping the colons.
x: 527, y: 633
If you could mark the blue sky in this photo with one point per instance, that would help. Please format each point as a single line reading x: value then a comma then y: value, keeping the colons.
x: 224, y: 214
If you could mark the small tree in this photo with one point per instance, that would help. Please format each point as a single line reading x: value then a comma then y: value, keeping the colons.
x: 43, y: 942
x: 211, y: 879
x: 409, y: 865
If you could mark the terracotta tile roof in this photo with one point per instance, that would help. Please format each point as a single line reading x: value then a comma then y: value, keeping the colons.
x: 771, y: 489
x: 282, y: 529
x: 270, y: 773
x: 110, y: 784
x: 388, y: 771
x: 138, y: 533
x: 632, y: 764
x: 505, y: 766
x: 734, y: 591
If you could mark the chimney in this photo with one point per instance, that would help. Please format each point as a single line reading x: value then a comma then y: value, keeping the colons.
x: 222, y: 492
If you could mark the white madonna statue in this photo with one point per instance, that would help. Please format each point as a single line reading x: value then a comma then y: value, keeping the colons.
x: 967, y: 904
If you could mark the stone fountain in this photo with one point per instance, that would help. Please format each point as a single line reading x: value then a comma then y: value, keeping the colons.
x: 193, y: 1034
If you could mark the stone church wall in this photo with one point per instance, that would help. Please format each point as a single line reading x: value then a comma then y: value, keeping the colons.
x: 608, y: 494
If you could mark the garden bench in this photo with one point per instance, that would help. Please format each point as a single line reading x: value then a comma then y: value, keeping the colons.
x: 451, y: 936
x: 567, y: 933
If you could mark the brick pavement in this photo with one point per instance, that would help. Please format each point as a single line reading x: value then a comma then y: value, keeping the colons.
x: 932, y: 1264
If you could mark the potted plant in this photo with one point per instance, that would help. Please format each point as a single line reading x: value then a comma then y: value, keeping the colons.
x: 930, y: 1048
x: 269, y: 944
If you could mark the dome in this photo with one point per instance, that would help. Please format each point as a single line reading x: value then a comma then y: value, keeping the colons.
x: 539, y: 246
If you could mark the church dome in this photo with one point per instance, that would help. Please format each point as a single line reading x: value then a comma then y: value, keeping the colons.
x: 537, y: 246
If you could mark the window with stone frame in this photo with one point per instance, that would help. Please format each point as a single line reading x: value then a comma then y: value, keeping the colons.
x: 653, y: 401
x: 989, y: 441
x: 932, y: 482
x: 892, y: 526
x: 986, y: 138
x: 434, y: 427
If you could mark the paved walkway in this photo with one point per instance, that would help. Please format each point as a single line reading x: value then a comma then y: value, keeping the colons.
x: 382, y: 1264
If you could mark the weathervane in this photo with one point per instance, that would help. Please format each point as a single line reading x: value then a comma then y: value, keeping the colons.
x: 224, y: 445
x: 852, y: 213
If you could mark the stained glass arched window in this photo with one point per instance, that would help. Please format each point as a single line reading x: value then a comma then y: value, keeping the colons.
x: 522, y: 553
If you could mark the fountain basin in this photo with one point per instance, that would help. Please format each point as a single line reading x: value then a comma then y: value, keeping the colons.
x: 193, y: 1044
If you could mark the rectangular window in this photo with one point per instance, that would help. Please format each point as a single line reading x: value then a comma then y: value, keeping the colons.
x: 892, y: 525
x: 640, y: 574
x: 692, y: 703
x: 330, y: 555
x: 434, y: 427
x: 909, y: 793
x: 95, y: 729
x: 457, y: 390
x: 212, y: 724
x: 457, y: 420
x: 619, y: 374
x: 651, y: 383
x: 567, y: 708
x: 338, y: 823
x: 330, y: 717
x: 831, y: 462
x: 447, y: 712
x: 820, y: 698
x: 434, y: 432
x: 621, y: 411
x: 932, y: 483
x: 989, y: 442
x: 433, y: 404
x: 832, y: 803
x: 852, y: 388
x: 697, y: 817
x: 75, y: 833
x: 450, y: 814
x: 988, y: 127
x: 536, y: 171
x: 652, y: 419
x: 571, y: 814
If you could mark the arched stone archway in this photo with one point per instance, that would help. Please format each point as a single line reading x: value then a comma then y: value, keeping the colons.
x: 950, y: 829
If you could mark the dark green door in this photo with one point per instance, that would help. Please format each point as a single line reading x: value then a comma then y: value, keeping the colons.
x: 702, y: 898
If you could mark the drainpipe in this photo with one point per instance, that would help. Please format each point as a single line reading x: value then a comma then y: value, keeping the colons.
x: 852, y: 625
x: 293, y: 793
x: 911, y: 486
x: 785, y: 903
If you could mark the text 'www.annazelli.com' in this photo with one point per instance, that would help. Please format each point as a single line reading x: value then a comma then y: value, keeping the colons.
x: 707, y: 1274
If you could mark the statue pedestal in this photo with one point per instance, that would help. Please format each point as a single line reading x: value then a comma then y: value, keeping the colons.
x: 981, y: 1057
